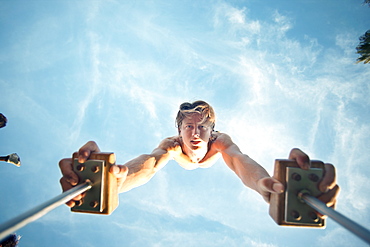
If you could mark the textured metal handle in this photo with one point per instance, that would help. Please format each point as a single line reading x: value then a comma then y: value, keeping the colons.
x: 20, y: 221
x: 347, y: 223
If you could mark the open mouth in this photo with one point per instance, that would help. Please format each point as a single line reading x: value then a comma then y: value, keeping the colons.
x: 195, y: 142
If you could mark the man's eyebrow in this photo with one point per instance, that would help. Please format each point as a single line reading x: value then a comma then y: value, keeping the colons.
x: 205, y: 123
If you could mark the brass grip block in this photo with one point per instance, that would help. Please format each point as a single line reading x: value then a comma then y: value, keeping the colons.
x: 288, y: 209
x: 102, y: 198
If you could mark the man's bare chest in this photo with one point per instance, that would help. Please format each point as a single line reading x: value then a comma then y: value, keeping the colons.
x: 209, y: 160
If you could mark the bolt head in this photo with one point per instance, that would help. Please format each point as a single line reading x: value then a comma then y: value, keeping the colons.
x: 314, y: 217
x: 95, y: 169
x: 94, y: 204
x: 296, y: 177
x: 80, y: 167
x: 313, y: 177
x: 295, y: 214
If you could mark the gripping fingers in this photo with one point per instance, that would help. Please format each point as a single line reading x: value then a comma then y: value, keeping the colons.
x: 69, y: 179
x: 300, y: 157
x: 329, y: 181
x: 65, y: 166
x: 329, y: 198
x: 85, y: 151
x: 66, y: 186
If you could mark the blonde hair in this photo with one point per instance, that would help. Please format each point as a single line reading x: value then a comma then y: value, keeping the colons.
x: 199, y: 106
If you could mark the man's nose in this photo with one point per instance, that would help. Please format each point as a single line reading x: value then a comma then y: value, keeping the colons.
x: 196, y: 132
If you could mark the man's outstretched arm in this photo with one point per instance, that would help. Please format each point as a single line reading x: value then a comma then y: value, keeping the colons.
x: 141, y: 169
x: 134, y: 173
x: 249, y: 171
x: 256, y: 177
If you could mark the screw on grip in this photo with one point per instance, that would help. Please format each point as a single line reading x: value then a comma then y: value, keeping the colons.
x: 288, y: 209
x: 102, y: 198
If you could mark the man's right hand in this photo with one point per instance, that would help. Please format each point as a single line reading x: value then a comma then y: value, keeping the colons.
x: 70, y: 178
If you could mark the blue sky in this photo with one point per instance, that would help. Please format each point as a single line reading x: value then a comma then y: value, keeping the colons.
x: 280, y: 74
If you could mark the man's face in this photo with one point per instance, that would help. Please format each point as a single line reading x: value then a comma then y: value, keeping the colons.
x: 195, y: 134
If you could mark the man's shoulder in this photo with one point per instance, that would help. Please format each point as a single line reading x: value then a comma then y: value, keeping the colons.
x: 169, y: 143
x: 221, y: 140
x: 171, y: 138
x: 220, y: 136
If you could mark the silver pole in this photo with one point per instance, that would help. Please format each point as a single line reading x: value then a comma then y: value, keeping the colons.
x: 350, y: 225
x: 20, y: 221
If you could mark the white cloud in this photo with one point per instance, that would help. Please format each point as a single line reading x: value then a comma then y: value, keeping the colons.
x: 347, y: 41
x: 273, y: 92
x: 236, y: 16
x: 92, y: 88
x: 282, y: 21
x: 144, y: 97
x: 259, y: 244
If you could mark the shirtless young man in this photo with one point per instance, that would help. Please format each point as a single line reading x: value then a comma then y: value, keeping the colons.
x: 198, y: 146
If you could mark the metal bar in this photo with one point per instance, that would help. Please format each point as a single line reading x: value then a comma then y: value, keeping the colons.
x: 20, y: 221
x: 350, y: 225
x: 12, y: 159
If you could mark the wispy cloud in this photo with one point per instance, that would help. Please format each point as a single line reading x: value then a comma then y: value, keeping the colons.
x: 273, y: 89
x: 93, y: 85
